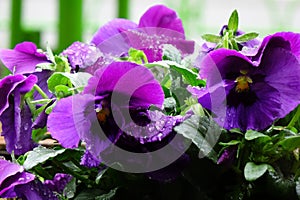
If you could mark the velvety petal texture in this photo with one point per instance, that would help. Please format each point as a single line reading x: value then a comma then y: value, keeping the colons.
x: 58, y: 183
x: 11, y: 176
x: 159, y: 25
x: 97, y: 116
x: 112, y: 28
x: 263, y: 88
x: 71, y: 113
x: 23, y: 58
x: 126, y: 78
x: 16, y: 118
x: 162, y: 17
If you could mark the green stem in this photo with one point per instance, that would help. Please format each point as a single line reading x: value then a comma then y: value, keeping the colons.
x: 40, y: 91
x: 294, y: 119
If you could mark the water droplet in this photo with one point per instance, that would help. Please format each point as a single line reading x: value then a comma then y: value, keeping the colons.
x: 21, y: 179
x: 26, y: 126
x: 159, y: 136
x: 151, y: 128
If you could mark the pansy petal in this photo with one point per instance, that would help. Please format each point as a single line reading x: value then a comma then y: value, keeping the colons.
x: 70, y: 112
x: 258, y: 115
x: 111, y: 29
x: 162, y: 17
x: 42, y: 83
x: 286, y: 40
x: 8, y: 169
x: 11, y: 182
x: 7, y: 85
x: 23, y: 59
x: 127, y: 79
x: 221, y: 62
x: 17, y: 129
x: 35, y: 190
x: 274, y: 63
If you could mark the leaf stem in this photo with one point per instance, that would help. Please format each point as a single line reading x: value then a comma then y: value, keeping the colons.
x: 40, y: 91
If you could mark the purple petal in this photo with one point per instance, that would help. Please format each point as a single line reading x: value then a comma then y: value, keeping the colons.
x: 82, y: 55
x: 112, y: 29
x: 286, y: 40
x: 7, y: 86
x: 221, y: 62
x: 162, y: 17
x: 23, y: 58
x: 16, y: 121
x: 35, y: 190
x: 70, y: 112
x: 283, y: 70
x: 42, y: 83
x: 17, y: 129
x: 11, y: 176
x: 228, y: 156
x: 58, y: 183
x: 89, y: 160
x: 256, y: 116
x: 128, y: 79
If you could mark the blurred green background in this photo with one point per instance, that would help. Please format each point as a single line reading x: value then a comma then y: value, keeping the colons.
x: 61, y: 22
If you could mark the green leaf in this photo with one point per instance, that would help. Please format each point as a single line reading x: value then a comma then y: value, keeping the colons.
x: 70, y: 189
x: 137, y: 56
x: 230, y: 143
x: 190, y: 76
x: 62, y: 64
x: 78, y: 80
x: 45, y: 66
x: 62, y: 91
x: 290, y: 143
x: 246, y: 37
x: 203, y: 132
x: 39, y: 155
x: 253, y: 171
x: 252, y: 135
x: 233, y: 22
x: 171, y: 53
x: 212, y: 38
x: 88, y: 194
x: 108, y: 196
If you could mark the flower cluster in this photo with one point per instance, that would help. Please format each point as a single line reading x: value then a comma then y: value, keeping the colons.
x: 140, y: 106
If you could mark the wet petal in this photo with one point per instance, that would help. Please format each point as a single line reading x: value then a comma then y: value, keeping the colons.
x: 112, y: 29
x: 162, y: 17
x: 70, y: 112
x: 23, y: 58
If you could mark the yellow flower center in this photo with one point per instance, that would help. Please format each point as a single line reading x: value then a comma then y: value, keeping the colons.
x: 242, y: 82
x: 102, y: 115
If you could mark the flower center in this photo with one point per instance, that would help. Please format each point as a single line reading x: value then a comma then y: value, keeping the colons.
x: 242, y: 82
x: 102, y: 115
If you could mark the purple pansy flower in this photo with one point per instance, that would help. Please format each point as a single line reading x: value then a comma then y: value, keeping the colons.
x: 113, y: 90
x: 258, y: 89
x: 58, y: 183
x: 11, y: 176
x: 159, y: 25
x: 15, y: 182
x: 14, y: 116
x: 23, y: 58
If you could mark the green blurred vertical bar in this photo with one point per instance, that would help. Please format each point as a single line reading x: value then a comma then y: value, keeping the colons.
x: 70, y: 22
x: 15, y: 23
x: 123, y: 9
